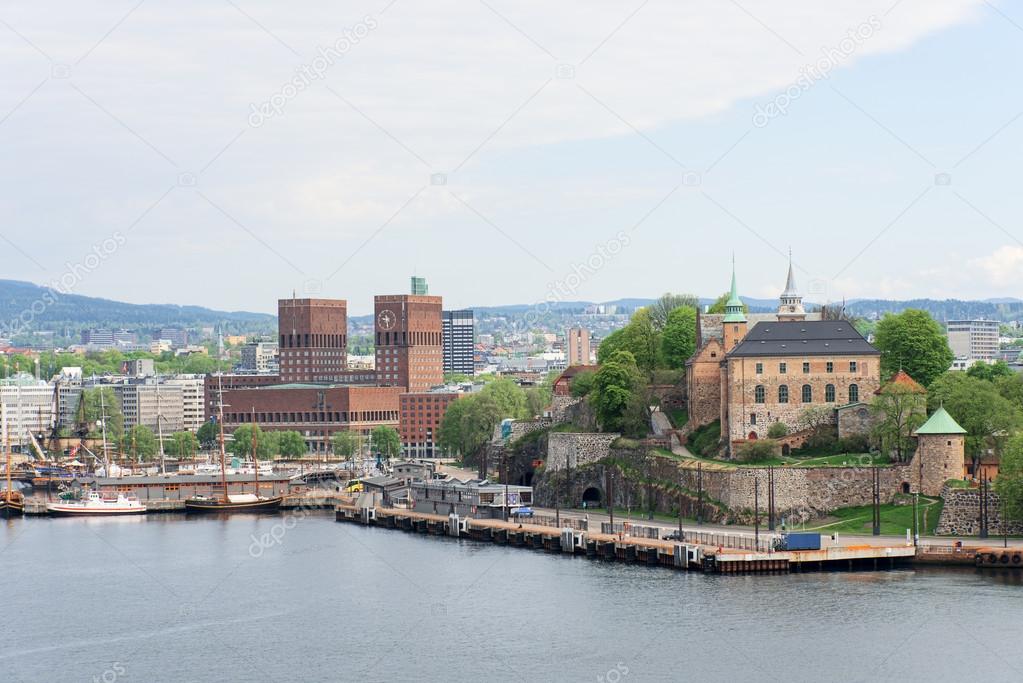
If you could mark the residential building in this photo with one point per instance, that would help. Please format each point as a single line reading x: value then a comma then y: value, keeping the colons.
x: 95, y: 337
x: 151, y: 404
x: 175, y: 335
x: 577, y: 343
x: 139, y: 367
x: 260, y: 357
x: 193, y: 412
x: 974, y: 340
x: 68, y: 391
x: 409, y: 341
x: 459, y: 345
x: 126, y: 337
x: 419, y: 418
x: 313, y: 339
x: 28, y: 407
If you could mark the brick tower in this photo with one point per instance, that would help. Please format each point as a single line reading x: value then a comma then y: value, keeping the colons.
x: 940, y: 453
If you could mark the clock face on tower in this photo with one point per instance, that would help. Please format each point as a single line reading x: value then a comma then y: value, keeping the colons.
x: 386, y: 319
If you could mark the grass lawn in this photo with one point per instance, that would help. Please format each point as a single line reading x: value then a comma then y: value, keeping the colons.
x: 679, y: 417
x: 895, y: 519
x: 958, y: 484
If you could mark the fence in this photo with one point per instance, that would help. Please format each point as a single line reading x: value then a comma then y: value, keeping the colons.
x: 564, y: 523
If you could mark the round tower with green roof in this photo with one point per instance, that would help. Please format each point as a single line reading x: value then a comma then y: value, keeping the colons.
x: 940, y: 453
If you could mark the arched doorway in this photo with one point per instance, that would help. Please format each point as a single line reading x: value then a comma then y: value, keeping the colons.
x: 752, y: 436
x: 786, y: 449
x: 905, y: 487
x: 591, y: 497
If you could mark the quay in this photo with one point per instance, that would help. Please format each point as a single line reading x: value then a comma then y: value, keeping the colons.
x: 652, y: 552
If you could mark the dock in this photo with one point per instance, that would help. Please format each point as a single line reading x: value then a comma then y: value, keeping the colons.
x: 652, y: 552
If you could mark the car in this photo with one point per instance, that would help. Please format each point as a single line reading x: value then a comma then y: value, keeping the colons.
x: 522, y: 512
x: 674, y: 536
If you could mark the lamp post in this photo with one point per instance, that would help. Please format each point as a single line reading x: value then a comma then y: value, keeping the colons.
x: 770, y: 498
x: 699, y: 493
x: 611, y: 497
x: 756, y: 510
x: 876, y: 485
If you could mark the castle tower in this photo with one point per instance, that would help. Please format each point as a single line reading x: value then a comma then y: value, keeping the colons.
x: 940, y: 454
x: 734, y: 323
x: 790, y: 306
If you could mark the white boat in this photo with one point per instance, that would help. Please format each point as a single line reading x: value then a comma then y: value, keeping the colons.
x: 96, y: 505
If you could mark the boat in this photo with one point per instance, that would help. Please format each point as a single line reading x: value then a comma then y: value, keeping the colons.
x: 225, y: 502
x: 12, y: 504
x: 94, y: 504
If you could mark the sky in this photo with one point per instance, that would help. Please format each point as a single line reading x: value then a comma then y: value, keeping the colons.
x: 227, y: 153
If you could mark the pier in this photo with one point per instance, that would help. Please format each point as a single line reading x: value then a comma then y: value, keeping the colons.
x: 620, y: 547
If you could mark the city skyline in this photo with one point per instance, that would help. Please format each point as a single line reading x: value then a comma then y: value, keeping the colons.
x: 553, y: 141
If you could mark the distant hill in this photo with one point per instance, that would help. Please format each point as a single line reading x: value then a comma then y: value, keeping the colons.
x: 47, y: 309
x: 943, y: 311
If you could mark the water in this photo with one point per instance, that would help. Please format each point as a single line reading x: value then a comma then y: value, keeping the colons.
x: 195, y: 599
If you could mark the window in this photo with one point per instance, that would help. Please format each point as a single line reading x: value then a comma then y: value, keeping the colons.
x: 852, y: 366
x: 758, y: 394
x: 830, y: 367
x: 854, y: 393
x: 753, y: 418
x: 829, y: 393
x: 806, y: 368
x: 760, y: 368
x: 783, y: 394
x: 783, y: 368
x: 807, y: 393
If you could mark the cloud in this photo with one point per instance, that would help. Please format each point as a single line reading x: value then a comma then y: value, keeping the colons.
x: 1003, y: 267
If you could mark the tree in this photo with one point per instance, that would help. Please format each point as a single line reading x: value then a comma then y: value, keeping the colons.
x: 91, y: 407
x: 617, y: 396
x: 208, y: 435
x: 139, y: 442
x: 508, y: 396
x: 900, y: 410
x: 639, y: 338
x: 987, y: 416
x: 777, y: 430
x: 990, y: 371
x: 914, y: 342
x: 241, y: 441
x: 181, y: 443
x: 583, y: 383
x: 815, y: 418
x: 1009, y: 484
x: 345, y: 444
x: 757, y: 451
x: 290, y: 444
x: 719, y: 304
x: 1011, y: 388
x: 537, y: 400
x: 661, y: 309
x: 678, y: 340
x: 386, y: 441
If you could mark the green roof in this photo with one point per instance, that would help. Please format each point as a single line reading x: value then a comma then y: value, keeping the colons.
x: 735, y: 310
x: 941, y: 423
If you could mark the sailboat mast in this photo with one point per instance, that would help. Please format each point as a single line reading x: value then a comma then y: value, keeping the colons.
x: 7, y: 451
x: 103, y: 427
x: 159, y: 425
x: 255, y: 462
x: 223, y: 452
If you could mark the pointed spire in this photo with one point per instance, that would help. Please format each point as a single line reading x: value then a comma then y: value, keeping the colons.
x: 790, y: 284
x: 735, y: 310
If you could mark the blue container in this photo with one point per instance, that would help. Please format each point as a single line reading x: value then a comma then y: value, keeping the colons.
x: 802, y: 541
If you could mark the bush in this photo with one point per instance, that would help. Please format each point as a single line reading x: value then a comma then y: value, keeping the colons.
x: 857, y: 443
x: 704, y: 441
x: 778, y: 430
x: 757, y: 451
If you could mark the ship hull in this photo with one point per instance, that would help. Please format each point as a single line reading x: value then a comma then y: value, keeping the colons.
x: 11, y: 509
x: 68, y: 511
x: 266, y: 505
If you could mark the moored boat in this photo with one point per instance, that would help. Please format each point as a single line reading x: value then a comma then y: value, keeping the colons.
x: 12, y: 503
x: 93, y: 504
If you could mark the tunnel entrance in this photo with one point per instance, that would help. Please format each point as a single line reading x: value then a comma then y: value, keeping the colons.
x: 591, y: 497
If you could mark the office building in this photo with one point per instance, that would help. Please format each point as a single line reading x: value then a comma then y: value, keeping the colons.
x: 419, y: 286
x: 974, y: 340
x: 419, y: 419
x: 459, y: 345
x: 192, y: 398
x: 313, y: 339
x: 176, y: 336
x: 577, y: 346
x: 144, y: 402
x: 409, y: 341
x: 29, y: 408
x: 95, y: 337
x: 260, y: 357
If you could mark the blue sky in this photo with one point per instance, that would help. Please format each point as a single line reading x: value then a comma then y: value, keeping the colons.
x: 554, y: 130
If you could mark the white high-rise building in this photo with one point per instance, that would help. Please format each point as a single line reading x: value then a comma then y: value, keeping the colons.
x: 974, y: 340
x: 29, y: 406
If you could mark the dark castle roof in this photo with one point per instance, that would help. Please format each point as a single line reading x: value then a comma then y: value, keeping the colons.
x: 804, y: 338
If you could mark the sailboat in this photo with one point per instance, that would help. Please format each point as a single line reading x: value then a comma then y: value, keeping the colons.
x: 242, y: 502
x: 13, y: 502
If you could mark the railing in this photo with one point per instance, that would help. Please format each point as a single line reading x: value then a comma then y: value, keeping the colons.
x: 563, y: 523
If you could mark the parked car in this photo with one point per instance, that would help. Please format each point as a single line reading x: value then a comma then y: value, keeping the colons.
x: 674, y: 536
x: 522, y: 512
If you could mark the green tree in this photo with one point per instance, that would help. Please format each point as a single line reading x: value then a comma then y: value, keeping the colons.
x: 1011, y: 388
x: 617, y: 396
x: 900, y: 410
x: 639, y: 338
x: 240, y: 444
x: 990, y: 371
x: 914, y: 342
x: 290, y: 444
x: 777, y: 430
x: 583, y: 382
x: 719, y: 304
x: 208, y: 435
x: 386, y: 441
x: 139, y: 442
x: 987, y: 416
x: 1009, y: 484
x: 537, y: 400
x: 345, y: 444
x: 181, y: 444
x: 661, y: 309
x: 508, y: 396
x: 678, y: 341
x: 91, y: 407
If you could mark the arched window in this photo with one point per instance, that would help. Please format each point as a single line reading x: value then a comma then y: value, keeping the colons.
x: 829, y: 393
x: 807, y: 393
x: 854, y: 393
x: 759, y: 393
x: 783, y: 394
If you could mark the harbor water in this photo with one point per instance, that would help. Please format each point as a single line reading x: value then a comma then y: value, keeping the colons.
x: 299, y: 597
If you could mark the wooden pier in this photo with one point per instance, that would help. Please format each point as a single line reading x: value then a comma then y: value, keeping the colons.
x: 621, y: 548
